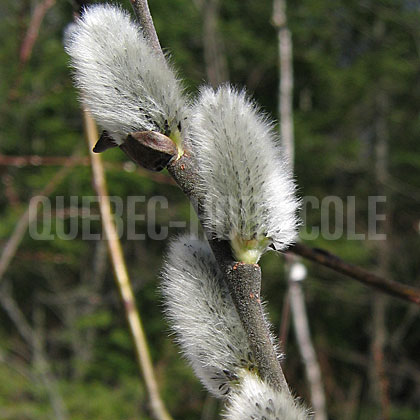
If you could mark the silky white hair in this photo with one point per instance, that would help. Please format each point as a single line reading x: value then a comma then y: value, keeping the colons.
x: 202, y: 315
x: 248, y: 188
x: 253, y: 399
x: 125, y: 84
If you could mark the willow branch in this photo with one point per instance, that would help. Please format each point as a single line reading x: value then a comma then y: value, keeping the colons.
x: 244, y: 284
x: 322, y: 257
x: 243, y: 281
x: 141, y: 9
x: 121, y: 274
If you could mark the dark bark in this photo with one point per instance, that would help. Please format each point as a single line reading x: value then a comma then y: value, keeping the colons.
x: 141, y: 9
x: 320, y: 256
x: 243, y: 281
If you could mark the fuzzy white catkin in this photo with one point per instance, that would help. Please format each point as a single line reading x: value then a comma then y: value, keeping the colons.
x: 253, y: 399
x: 202, y: 315
x: 249, y: 192
x: 126, y: 85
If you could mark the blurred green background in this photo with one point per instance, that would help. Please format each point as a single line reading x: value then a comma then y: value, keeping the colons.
x: 65, y: 349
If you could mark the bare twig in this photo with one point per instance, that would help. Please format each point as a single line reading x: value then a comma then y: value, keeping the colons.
x: 306, y: 348
x: 141, y: 9
x: 121, y: 274
x: 322, y: 257
x: 243, y: 281
x: 28, y: 43
x: 33, y: 30
x: 286, y: 78
x: 296, y: 297
x: 15, y: 314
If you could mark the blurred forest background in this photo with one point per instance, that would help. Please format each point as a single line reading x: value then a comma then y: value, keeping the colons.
x: 65, y: 348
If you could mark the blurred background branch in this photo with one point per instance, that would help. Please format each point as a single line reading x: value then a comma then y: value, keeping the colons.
x: 121, y: 274
x: 294, y: 300
x: 325, y: 258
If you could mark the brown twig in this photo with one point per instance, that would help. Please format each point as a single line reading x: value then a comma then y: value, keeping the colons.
x: 33, y: 30
x: 141, y: 9
x: 28, y: 43
x: 121, y: 274
x: 402, y: 291
x: 243, y: 281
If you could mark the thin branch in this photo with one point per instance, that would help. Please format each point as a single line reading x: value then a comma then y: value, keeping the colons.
x: 243, y: 281
x: 28, y: 43
x: 307, y: 349
x: 33, y: 30
x: 15, y: 314
x: 141, y: 9
x: 244, y: 284
x: 320, y: 256
x: 296, y: 296
x: 121, y: 274
x: 286, y: 78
